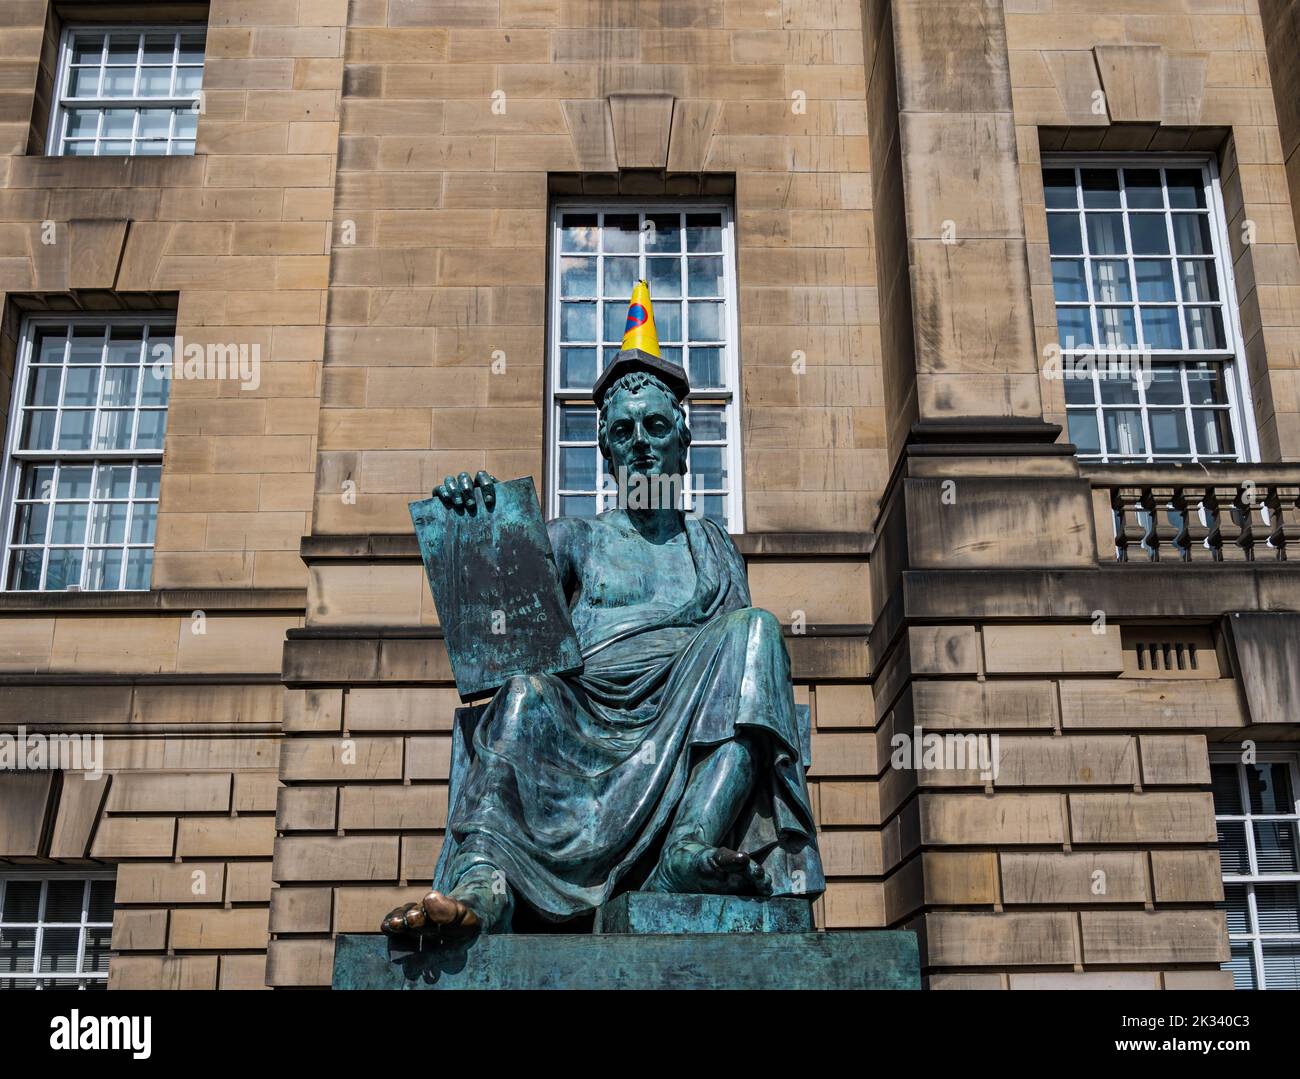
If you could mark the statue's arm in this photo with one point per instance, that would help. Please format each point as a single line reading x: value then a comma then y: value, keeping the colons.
x: 569, y: 537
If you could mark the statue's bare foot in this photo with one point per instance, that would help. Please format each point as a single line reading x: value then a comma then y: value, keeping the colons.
x: 690, y: 866
x: 434, y: 915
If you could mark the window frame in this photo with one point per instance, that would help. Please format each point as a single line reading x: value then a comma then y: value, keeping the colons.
x: 1241, y: 408
x: 61, y: 103
x: 1253, y: 936
x: 45, y: 876
x: 14, y: 458
x: 728, y: 396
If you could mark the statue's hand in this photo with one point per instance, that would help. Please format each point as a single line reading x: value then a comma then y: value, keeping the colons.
x: 457, y: 492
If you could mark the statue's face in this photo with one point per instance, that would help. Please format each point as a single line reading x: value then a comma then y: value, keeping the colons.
x: 642, y: 434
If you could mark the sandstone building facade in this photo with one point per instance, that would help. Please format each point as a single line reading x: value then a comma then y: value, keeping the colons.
x: 992, y: 314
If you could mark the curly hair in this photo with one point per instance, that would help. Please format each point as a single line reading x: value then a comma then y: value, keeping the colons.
x: 634, y: 382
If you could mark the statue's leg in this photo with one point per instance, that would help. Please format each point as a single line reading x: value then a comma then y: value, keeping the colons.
x: 693, y: 859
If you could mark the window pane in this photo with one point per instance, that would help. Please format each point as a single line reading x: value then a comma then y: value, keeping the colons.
x: 703, y: 232
x: 1124, y: 434
x: 139, y: 566
x: 87, y: 48
x: 577, y: 367
x: 1242, y: 965
x: 578, y: 424
x: 621, y: 233
x: 615, y: 320
x: 113, y: 481
x: 104, y: 569
x: 192, y: 46
x: 577, y: 506
x: 1150, y: 234
x: 1281, y: 966
x: 1234, y: 860
x: 1275, y: 849
x: 68, y: 524
x: 1199, y: 281
x: 1155, y: 280
x: 1116, y: 327
x: 1142, y: 188
x: 144, y: 520
x: 63, y: 900
x: 101, y: 901
x: 1192, y: 234
x: 84, y: 123
x: 1106, y: 234
x: 664, y: 277
x: 1165, y: 385
x: 30, y: 522
x: 663, y: 232
x: 578, y: 232
x: 1063, y: 236
x: 64, y: 570
x: 17, y: 949
x: 149, y: 429
x: 1213, y: 429
x: 1204, y: 328
x: 578, y: 322
x: 1074, y: 326
x: 1083, y: 431
x: 25, y: 570
x: 87, y: 345
x: 119, y: 385
x: 706, y: 321
x: 74, y: 482
x: 1278, y: 908
x: 1160, y: 327
x: 707, y: 469
x: 1186, y: 188
x: 59, y: 950
x: 98, y: 950
x: 1235, y: 907
x: 705, y: 367
x: 113, y: 431
x: 1110, y: 282
x: 1169, y: 432
x: 22, y: 901
x: 1268, y: 785
x: 1100, y: 188
x: 1080, y: 388
x: 1227, y: 789
x: 146, y: 481
x: 620, y: 277
x: 108, y: 523
x: 704, y: 276
x: 118, y: 82
x: 578, y: 468
x: 159, y: 47
x: 38, y: 430
x: 708, y: 423
x: 74, y: 430
x: 577, y: 277
x: 1058, y: 188
x: 1068, y: 284
x: 43, y: 385
x: 668, y: 320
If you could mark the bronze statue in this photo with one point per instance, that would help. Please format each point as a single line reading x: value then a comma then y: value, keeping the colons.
x: 671, y: 761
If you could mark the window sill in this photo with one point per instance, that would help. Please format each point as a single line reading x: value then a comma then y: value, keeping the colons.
x: 106, y: 172
x: 209, y: 600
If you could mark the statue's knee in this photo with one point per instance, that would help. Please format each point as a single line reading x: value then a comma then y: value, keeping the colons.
x: 763, y: 624
x: 523, y: 689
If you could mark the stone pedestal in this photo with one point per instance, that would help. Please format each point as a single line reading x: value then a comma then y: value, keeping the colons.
x: 648, y: 941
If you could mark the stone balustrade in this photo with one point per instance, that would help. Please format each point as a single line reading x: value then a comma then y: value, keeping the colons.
x: 1196, y: 513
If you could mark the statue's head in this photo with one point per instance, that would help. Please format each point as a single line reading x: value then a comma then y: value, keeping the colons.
x: 643, y: 427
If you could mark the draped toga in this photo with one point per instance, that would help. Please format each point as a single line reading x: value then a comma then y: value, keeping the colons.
x: 568, y: 782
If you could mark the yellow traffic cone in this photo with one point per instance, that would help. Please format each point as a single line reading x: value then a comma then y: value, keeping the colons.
x: 639, y: 331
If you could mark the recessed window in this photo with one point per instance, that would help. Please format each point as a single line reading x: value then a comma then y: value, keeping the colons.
x: 85, y: 453
x: 1257, y: 816
x: 1145, y: 310
x: 55, y: 932
x: 686, y: 254
x: 128, y: 91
